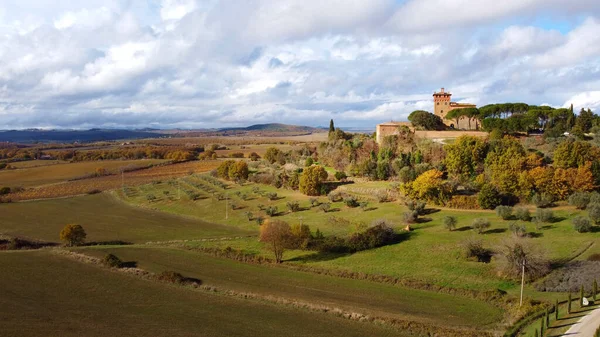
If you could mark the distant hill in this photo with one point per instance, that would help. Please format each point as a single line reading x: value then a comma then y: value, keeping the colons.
x: 275, y: 127
x: 70, y: 136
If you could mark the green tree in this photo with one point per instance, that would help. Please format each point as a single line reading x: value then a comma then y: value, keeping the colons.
x: 569, y: 304
x: 465, y: 156
x: 424, y: 120
x: 489, y: 197
x: 556, y: 311
x: 585, y: 120
x: 331, y: 126
x: 311, y: 180
x: 581, y: 297
x: 450, y: 222
x: 73, y: 235
x: 573, y: 154
x: 595, y: 289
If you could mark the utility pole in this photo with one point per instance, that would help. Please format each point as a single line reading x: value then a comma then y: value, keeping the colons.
x: 522, y: 284
x: 123, y: 179
x: 226, y: 206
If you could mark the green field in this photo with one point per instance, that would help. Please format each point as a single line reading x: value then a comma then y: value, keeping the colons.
x: 30, y: 175
x: 48, y: 295
x: 105, y: 219
x: 431, y: 254
x: 351, y: 295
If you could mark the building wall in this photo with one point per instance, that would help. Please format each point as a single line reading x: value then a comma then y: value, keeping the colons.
x: 390, y: 129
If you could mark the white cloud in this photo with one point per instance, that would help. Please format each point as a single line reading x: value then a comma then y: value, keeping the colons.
x: 176, y: 9
x: 588, y: 99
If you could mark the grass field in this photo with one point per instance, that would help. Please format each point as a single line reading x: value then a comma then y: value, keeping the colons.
x: 153, y: 174
x: 47, y: 295
x: 30, y: 176
x: 350, y: 295
x: 432, y: 254
x: 105, y: 219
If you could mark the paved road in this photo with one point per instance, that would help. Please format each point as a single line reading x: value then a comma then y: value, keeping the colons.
x: 586, y: 327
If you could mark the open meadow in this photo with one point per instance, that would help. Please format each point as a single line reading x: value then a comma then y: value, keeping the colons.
x: 49, y: 295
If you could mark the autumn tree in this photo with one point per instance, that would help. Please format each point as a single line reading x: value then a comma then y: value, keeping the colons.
x: 278, y: 235
x: 272, y: 154
x: 429, y: 186
x: 465, y: 156
x: 572, y: 154
x: 489, y: 197
x: 238, y: 171
x: 503, y: 164
x: 73, y: 235
x: 224, y: 168
x: 515, y: 253
x: 311, y: 180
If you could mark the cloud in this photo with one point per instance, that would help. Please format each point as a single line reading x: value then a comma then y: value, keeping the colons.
x: 192, y: 63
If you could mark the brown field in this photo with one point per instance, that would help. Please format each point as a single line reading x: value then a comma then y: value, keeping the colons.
x: 236, y: 140
x: 30, y: 175
x: 105, y: 183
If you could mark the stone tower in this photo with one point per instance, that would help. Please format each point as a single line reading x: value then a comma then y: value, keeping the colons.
x: 441, y: 103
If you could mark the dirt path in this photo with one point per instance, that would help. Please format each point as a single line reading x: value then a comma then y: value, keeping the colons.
x: 586, y: 327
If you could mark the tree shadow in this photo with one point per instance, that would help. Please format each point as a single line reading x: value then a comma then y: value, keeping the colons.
x: 428, y: 211
x: 535, y: 235
x: 495, y: 231
x: 318, y: 257
x: 108, y: 243
x: 191, y: 280
x: 595, y: 229
x: 463, y: 229
x: 547, y: 227
x: 423, y: 220
x: 370, y: 209
x: 556, y: 219
x: 129, y: 264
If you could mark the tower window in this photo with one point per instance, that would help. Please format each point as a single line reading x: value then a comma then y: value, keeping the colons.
x: 438, y: 103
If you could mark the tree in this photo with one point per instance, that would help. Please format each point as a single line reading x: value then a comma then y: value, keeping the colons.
x: 556, y: 310
x: 572, y: 154
x: 585, y: 120
x: 424, y: 120
x: 278, y: 235
x: 489, y: 197
x: 595, y: 289
x: 308, y: 162
x: 73, y: 235
x: 581, y: 224
x: 272, y: 154
x: 312, y: 179
x: 223, y: 169
x: 581, y: 296
x: 515, y: 253
x: 238, y: 171
x: 428, y: 186
x: 465, y: 156
x: 331, y: 126
x: 449, y: 222
x: 569, y: 304
x: 254, y: 156
x: 480, y: 225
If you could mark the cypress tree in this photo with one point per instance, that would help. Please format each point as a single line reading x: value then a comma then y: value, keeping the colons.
x: 581, y: 297
x: 547, y: 318
x: 569, y: 305
x: 536, y: 333
x: 542, y: 327
x: 331, y: 126
x: 595, y: 289
x: 556, y: 311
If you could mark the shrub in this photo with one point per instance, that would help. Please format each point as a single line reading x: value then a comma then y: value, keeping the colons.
x: 351, y: 201
x: 4, y: 190
x: 382, y: 196
x: 73, y: 235
x: 522, y: 213
x: 335, y: 196
x: 463, y: 202
x: 171, y: 277
x: 450, y: 222
x: 579, y: 199
x: 254, y: 156
x: 113, y: 261
x: 505, y: 212
x: 236, y: 155
x: 313, y: 202
x: 544, y: 215
x: 517, y: 229
x: 489, y: 197
x: 378, y: 235
x: 594, y: 212
x: 325, y: 207
x: 293, y: 206
x: 417, y: 206
x: 473, y: 249
x: 480, y: 225
x: 271, y: 211
x: 410, y: 217
x: 271, y: 195
x: 364, y: 205
x: 249, y: 216
x: 259, y: 220
x: 582, y: 224
x: 340, y: 175
x: 542, y: 200
x: 308, y: 162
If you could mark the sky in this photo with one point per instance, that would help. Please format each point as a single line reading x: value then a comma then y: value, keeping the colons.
x: 223, y: 63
